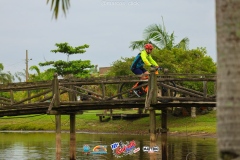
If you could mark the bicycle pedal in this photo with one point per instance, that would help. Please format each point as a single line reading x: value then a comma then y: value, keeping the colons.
x: 136, y: 93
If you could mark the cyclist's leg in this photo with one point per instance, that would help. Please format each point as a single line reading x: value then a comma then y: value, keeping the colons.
x: 145, y: 74
x: 139, y: 71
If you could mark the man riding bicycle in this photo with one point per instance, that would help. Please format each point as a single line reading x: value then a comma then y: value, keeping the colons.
x: 137, y: 67
x: 143, y: 58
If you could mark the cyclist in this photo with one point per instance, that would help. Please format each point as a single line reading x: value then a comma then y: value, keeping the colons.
x: 143, y: 58
x: 137, y: 66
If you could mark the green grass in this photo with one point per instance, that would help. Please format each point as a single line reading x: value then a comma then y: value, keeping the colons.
x: 89, y: 122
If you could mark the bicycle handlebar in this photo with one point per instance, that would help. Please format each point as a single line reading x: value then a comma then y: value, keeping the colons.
x: 157, y: 68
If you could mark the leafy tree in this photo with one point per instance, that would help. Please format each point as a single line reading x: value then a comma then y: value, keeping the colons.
x: 181, y: 61
x: 121, y: 67
x: 77, y: 68
x: 177, y: 60
x: 160, y: 38
x: 195, y: 61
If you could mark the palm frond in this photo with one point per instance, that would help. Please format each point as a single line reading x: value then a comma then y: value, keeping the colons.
x: 36, y: 69
x: 18, y: 75
x: 1, y: 67
x: 160, y: 38
x: 157, y: 34
x: 55, y: 6
x: 183, y: 44
x: 138, y: 44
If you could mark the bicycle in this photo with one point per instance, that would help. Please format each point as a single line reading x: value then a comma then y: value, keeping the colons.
x: 134, y: 90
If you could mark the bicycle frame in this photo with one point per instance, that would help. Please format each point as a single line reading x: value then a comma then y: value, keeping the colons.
x: 144, y: 89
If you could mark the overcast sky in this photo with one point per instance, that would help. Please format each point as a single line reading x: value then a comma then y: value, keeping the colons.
x: 108, y: 26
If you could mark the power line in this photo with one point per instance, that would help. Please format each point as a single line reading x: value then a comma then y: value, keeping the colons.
x: 14, y: 64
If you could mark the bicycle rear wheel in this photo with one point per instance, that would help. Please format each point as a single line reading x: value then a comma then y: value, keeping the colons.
x: 126, y: 90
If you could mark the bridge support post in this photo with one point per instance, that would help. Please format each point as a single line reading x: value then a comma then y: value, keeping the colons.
x: 72, y: 150
x: 58, y: 136
x: 72, y: 137
x: 164, y: 129
x: 164, y: 133
x: 56, y: 103
x: 151, y: 98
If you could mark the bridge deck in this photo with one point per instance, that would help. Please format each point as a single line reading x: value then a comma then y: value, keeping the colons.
x: 76, y: 107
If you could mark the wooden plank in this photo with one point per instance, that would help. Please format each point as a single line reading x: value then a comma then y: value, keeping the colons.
x: 81, y: 94
x: 137, y: 115
x: 116, y: 115
x: 89, y: 91
x: 5, y: 99
x: 34, y: 96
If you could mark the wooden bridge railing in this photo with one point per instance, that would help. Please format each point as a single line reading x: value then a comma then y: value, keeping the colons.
x: 47, y: 95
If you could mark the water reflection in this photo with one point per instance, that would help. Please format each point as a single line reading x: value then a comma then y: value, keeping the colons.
x: 41, y: 146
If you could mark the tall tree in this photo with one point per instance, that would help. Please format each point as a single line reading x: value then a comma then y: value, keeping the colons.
x: 77, y: 68
x: 228, y: 78
x: 160, y: 38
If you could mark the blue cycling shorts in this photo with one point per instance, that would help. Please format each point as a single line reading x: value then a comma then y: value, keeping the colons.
x: 138, y: 71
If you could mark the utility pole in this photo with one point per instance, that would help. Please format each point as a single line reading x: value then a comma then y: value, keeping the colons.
x: 28, y: 92
x: 26, y: 65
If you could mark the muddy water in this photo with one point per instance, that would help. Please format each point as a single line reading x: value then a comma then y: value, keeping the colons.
x: 41, y: 146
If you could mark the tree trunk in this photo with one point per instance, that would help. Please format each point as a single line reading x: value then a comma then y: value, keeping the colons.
x: 228, y: 78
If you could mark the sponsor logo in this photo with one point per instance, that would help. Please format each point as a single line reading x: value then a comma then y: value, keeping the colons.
x: 86, y: 149
x: 150, y: 149
x: 99, y: 149
x: 120, y: 149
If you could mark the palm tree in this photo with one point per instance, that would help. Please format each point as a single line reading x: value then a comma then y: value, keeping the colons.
x: 228, y: 78
x: 159, y: 37
x: 19, y: 75
x: 40, y: 76
x: 55, y: 4
x: 5, y: 77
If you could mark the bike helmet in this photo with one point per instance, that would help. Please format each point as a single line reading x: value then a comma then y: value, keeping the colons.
x: 148, y: 46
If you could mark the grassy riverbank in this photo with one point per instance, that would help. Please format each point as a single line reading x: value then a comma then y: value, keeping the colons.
x: 89, y: 122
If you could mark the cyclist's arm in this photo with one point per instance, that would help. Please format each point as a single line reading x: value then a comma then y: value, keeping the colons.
x: 144, y: 58
x: 147, y: 61
x: 152, y: 61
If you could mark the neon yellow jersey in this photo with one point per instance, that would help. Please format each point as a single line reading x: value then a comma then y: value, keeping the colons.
x: 147, y: 59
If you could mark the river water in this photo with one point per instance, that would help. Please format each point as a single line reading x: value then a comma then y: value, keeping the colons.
x: 41, y: 146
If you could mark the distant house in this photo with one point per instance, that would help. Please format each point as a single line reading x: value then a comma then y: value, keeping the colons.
x: 103, y: 70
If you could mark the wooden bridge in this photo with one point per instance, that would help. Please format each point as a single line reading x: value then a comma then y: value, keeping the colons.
x: 73, y: 96
x: 66, y: 96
